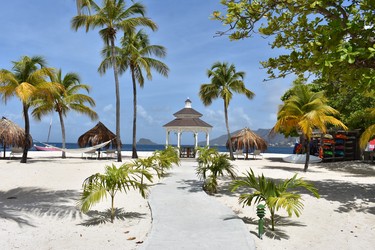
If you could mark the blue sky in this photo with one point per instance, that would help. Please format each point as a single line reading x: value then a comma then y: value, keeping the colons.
x: 42, y: 27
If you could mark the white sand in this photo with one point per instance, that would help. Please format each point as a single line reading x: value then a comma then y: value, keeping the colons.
x: 343, y: 218
x: 37, y: 206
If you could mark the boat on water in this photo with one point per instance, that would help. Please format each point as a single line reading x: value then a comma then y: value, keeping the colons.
x: 46, y: 148
x: 301, y: 159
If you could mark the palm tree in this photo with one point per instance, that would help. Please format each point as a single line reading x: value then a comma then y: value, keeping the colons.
x: 135, y: 55
x: 165, y: 159
x: 112, y: 17
x: 26, y: 82
x: 211, y: 165
x: 65, y: 100
x: 369, y: 132
x: 305, y: 111
x: 274, y: 195
x: 224, y: 81
x: 96, y: 186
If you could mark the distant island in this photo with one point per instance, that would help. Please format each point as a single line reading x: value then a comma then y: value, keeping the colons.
x: 144, y: 141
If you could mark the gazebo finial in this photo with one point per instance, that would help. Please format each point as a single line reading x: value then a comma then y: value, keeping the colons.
x: 188, y: 103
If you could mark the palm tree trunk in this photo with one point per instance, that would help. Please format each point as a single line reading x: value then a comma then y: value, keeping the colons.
x: 62, y: 134
x: 112, y: 208
x: 229, y: 138
x: 272, y: 219
x: 134, y: 146
x: 307, y: 150
x: 115, y: 72
x: 27, y: 132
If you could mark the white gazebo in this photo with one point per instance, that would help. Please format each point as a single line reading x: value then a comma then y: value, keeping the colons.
x: 188, y: 120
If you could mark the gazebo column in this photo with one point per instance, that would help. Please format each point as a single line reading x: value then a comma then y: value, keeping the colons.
x: 167, y: 138
x: 208, y: 139
x: 195, y: 140
x: 179, y: 139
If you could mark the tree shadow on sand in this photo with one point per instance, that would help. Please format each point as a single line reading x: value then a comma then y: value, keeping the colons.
x: 278, y: 233
x: 352, y: 168
x: 98, y: 217
x: 193, y: 186
x: 351, y: 196
x: 17, y: 203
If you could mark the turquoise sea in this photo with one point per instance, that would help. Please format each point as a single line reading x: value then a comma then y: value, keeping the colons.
x: 128, y: 147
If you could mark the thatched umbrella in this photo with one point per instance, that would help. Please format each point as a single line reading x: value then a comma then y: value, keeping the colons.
x: 247, y: 139
x: 97, y: 135
x: 13, y: 135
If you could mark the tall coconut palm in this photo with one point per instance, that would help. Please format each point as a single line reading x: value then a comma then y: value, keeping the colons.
x: 26, y: 82
x: 225, y: 81
x: 305, y: 111
x: 112, y: 17
x: 69, y: 98
x: 136, y: 55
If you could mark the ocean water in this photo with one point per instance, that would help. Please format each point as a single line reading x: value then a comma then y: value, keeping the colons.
x: 128, y: 147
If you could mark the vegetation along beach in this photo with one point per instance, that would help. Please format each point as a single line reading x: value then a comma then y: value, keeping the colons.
x: 187, y: 124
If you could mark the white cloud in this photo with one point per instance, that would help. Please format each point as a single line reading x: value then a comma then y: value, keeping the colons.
x: 108, y: 108
x: 142, y: 113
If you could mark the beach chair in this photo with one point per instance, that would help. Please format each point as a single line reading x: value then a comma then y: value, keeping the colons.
x: 110, y: 153
x: 91, y: 154
x: 15, y: 151
x: 256, y: 153
x: 239, y: 153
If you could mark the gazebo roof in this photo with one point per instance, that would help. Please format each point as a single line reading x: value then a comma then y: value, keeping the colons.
x: 187, y: 118
x: 187, y: 122
x: 187, y: 111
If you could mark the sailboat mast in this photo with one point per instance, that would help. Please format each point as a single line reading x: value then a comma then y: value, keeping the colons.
x: 49, y: 130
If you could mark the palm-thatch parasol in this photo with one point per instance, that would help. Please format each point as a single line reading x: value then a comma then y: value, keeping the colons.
x: 97, y: 135
x: 247, y: 139
x: 13, y: 135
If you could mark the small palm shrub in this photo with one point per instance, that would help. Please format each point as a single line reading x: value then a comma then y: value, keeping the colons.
x: 165, y: 159
x: 160, y: 161
x: 274, y: 195
x: 97, y: 186
x: 211, y: 165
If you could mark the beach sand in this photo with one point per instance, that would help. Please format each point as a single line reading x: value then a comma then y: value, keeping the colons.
x: 343, y: 218
x: 38, y: 206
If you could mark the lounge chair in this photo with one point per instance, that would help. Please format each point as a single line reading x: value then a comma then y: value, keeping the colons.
x: 15, y: 151
x: 91, y: 154
x: 239, y: 154
x: 256, y: 153
x: 110, y: 153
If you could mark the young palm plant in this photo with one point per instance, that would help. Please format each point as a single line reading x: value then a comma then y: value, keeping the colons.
x: 97, y: 186
x: 274, y: 195
x: 211, y: 165
x: 145, y: 164
x: 165, y: 159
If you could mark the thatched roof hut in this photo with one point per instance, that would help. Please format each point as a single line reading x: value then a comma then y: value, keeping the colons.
x: 247, y: 139
x: 12, y: 135
x: 97, y: 135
